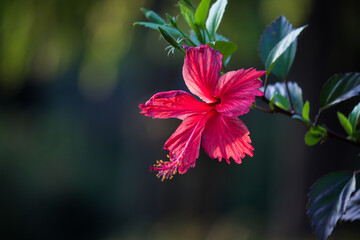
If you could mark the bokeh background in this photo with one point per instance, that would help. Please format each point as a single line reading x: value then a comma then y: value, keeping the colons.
x: 75, y: 152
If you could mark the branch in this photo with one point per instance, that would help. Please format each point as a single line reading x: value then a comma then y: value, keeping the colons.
x: 330, y: 133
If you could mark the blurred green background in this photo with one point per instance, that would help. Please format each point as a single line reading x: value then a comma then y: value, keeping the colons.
x: 75, y: 152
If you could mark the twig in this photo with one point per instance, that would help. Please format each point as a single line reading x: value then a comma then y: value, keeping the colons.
x: 330, y: 133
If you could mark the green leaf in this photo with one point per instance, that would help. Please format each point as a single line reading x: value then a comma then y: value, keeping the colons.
x: 338, y: 88
x: 155, y: 26
x: 189, y: 3
x: 354, y: 117
x: 353, y: 208
x: 190, y: 19
x: 311, y: 139
x: 345, y: 123
x: 153, y: 16
x: 226, y: 48
x: 273, y: 34
x: 315, y: 135
x: 170, y: 39
x: 215, y: 16
x: 306, y: 111
x: 328, y: 201
x: 201, y: 13
x: 280, y: 48
x: 295, y: 93
x: 281, y: 101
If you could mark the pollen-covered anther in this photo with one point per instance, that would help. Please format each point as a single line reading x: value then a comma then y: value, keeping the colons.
x: 166, y: 170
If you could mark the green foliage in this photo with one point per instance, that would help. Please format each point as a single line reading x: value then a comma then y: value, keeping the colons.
x: 345, y: 123
x: 354, y: 117
x: 226, y: 49
x: 306, y: 111
x: 295, y: 93
x: 201, y: 13
x: 315, y: 135
x: 338, y: 88
x: 281, y: 101
x: 215, y: 16
x: 353, y: 208
x: 280, y: 48
x: 170, y: 39
x: 156, y: 26
x: 153, y: 17
x: 272, y: 35
x: 328, y: 201
x: 190, y: 19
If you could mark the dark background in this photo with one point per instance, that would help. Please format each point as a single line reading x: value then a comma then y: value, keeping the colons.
x: 75, y: 152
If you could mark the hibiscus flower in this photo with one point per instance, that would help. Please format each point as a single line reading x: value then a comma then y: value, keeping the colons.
x: 214, y: 121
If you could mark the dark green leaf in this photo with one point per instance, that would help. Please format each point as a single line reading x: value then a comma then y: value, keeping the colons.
x: 345, y: 123
x: 328, y: 200
x: 280, y: 48
x: 353, y: 208
x: 155, y: 26
x: 295, y: 93
x: 201, y: 13
x: 306, y: 111
x: 271, y: 36
x: 170, y: 39
x: 354, y: 117
x: 226, y: 48
x: 215, y: 16
x: 339, y: 88
x: 153, y: 16
x: 281, y: 101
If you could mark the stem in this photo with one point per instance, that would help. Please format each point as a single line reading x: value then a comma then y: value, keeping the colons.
x: 330, y: 133
x: 317, y: 117
x: 266, y: 83
x: 267, y: 110
x: 288, y: 93
x: 208, y: 34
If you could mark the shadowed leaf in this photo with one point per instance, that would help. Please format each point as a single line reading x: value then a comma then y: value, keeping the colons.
x: 328, y: 200
x: 338, y: 88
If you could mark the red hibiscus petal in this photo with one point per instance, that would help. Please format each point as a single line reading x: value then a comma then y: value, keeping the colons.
x: 226, y: 137
x: 184, y: 146
x: 173, y: 104
x: 201, y: 71
x: 237, y: 91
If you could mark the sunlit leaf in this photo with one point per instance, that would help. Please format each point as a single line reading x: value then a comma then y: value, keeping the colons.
x: 345, y: 123
x: 215, y: 16
x: 155, y: 26
x: 226, y: 48
x: 280, y: 48
x: 306, y: 111
x: 153, y: 16
x: 338, y: 88
x: 190, y: 19
x: 201, y: 13
x: 354, y: 116
x: 273, y: 34
x: 328, y: 200
x: 315, y: 135
x: 353, y: 209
